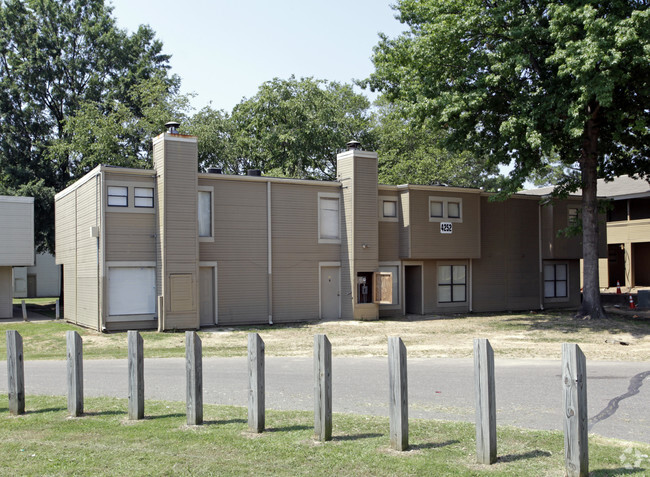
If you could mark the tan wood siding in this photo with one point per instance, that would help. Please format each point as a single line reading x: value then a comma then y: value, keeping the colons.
x: 634, y: 231
x: 16, y: 231
x: 405, y: 225
x: 6, y: 297
x: 507, y: 275
x: 345, y: 171
x: 240, y: 249
x: 426, y: 240
x: 130, y: 237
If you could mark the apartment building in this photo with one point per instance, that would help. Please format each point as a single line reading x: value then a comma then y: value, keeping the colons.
x: 172, y: 248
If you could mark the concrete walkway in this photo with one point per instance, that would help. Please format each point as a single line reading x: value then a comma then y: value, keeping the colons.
x: 528, y: 391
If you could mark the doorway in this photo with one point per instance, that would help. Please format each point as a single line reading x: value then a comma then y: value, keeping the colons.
x: 207, y: 303
x: 330, y: 293
x: 413, y: 289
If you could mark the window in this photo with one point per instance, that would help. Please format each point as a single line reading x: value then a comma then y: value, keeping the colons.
x: 390, y: 208
x: 328, y: 218
x: 452, y: 283
x: 445, y: 209
x: 574, y: 215
x: 131, y: 290
x: 143, y: 197
x: 205, y: 213
x: 555, y: 281
x: 118, y: 196
x: 436, y: 208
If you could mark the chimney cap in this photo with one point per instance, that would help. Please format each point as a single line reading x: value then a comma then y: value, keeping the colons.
x: 353, y: 145
x: 172, y: 127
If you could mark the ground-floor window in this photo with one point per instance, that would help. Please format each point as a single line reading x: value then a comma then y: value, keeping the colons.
x: 452, y: 283
x: 131, y: 291
x: 555, y: 280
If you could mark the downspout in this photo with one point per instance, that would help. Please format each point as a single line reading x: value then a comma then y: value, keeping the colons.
x: 541, y: 265
x: 269, y: 252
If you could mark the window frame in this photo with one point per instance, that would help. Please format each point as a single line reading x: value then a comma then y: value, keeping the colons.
x: 328, y: 196
x: 210, y: 190
x: 136, y: 197
x: 452, y: 284
x: 109, y: 195
x: 381, y: 212
x: 445, y: 201
x: 555, y: 281
x: 573, y: 219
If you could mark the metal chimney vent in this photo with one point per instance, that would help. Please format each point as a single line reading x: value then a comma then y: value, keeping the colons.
x: 354, y: 145
x: 172, y: 127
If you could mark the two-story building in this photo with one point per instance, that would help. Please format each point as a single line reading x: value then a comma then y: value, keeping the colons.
x: 176, y: 249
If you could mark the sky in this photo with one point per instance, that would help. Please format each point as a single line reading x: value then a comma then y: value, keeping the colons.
x: 223, y: 50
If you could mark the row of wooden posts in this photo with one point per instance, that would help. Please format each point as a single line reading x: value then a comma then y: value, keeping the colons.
x: 573, y: 381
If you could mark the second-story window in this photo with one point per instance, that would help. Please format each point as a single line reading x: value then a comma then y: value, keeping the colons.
x: 329, y: 230
x: 143, y: 197
x: 205, y: 213
x: 118, y: 196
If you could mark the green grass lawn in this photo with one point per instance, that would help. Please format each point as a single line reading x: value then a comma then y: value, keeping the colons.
x: 45, y: 441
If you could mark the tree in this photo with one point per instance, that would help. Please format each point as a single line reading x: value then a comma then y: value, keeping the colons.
x: 291, y: 128
x: 61, y: 60
x: 527, y: 82
x: 410, y: 153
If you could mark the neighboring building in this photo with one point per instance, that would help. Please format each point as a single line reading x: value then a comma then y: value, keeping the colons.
x: 16, y: 244
x: 628, y: 232
x: 41, y: 280
x: 135, y: 251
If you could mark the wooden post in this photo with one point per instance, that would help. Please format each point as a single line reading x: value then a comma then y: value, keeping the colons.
x: 58, y: 309
x: 398, y: 405
x: 15, y: 373
x: 486, y: 413
x: 24, y: 307
x: 574, y: 405
x: 322, y: 388
x: 194, y: 378
x: 75, y: 374
x: 136, y: 376
x: 255, y: 383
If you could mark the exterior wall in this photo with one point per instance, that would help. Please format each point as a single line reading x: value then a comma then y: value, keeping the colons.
x: 508, y: 275
x: 6, y: 299
x: 47, y: 276
x: 76, y: 210
x: 426, y: 240
x: 175, y: 162
x: 16, y: 231
x: 389, y: 230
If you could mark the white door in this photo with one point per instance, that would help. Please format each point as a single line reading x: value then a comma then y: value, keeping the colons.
x: 206, y: 296
x: 330, y: 293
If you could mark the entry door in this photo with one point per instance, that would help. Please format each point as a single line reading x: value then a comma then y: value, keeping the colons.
x: 413, y: 289
x: 330, y: 293
x: 206, y: 296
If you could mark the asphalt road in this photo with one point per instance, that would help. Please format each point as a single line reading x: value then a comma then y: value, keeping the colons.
x: 528, y: 392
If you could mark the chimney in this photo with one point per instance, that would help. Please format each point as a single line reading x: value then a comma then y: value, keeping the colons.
x: 354, y: 145
x: 254, y: 172
x: 172, y: 127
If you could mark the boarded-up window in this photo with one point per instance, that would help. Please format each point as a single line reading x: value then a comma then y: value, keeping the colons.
x: 394, y: 270
x: 555, y: 280
x: 131, y: 290
x: 181, y: 293
x: 452, y: 283
x: 329, y: 218
x: 118, y: 196
x: 383, y: 285
x: 205, y: 213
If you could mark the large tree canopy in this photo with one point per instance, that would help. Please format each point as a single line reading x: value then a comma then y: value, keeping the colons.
x: 530, y: 82
x: 291, y: 128
x: 64, y: 69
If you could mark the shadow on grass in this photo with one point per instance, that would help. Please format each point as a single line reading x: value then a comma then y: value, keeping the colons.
x: 288, y: 428
x: 46, y: 410
x: 225, y: 422
x: 433, y: 445
x: 165, y: 416
x: 526, y: 455
x: 356, y: 437
x: 618, y: 471
x: 103, y: 413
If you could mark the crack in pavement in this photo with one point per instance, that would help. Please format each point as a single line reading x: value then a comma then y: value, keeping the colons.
x: 635, y: 383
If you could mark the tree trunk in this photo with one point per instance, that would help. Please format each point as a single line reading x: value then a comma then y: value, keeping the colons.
x: 591, y: 305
